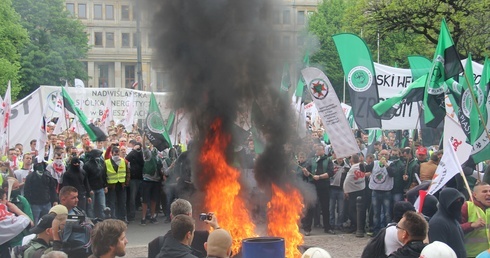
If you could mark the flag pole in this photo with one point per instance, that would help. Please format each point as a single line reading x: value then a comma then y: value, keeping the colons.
x: 472, y: 93
x: 176, y: 126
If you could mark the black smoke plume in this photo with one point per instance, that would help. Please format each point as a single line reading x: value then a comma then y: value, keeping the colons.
x: 221, y: 58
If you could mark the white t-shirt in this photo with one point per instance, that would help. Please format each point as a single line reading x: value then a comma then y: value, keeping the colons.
x: 391, y: 240
x: 21, y: 175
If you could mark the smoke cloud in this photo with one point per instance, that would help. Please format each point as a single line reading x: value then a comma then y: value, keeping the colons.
x: 221, y: 59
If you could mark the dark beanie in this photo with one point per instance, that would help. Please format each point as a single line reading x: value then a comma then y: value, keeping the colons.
x: 400, y: 208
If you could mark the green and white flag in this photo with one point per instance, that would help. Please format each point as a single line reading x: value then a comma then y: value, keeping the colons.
x: 446, y: 64
x: 361, y: 77
x: 419, y: 66
x: 481, y: 147
x: 468, y: 110
x: 154, y: 126
x: 94, y: 133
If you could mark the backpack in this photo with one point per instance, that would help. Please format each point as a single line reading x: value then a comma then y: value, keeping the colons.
x: 76, y: 237
x: 376, y: 247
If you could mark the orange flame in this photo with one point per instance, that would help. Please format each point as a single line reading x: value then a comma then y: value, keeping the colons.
x: 284, y: 212
x: 222, y: 190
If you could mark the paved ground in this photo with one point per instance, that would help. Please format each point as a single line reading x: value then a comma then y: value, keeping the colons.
x: 339, y: 246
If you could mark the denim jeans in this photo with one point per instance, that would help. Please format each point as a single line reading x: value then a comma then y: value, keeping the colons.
x: 397, y: 197
x: 336, y: 199
x: 96, y: 208
x: 116, y: 200
x: 134, y: 188
x: 381, y: 200
x: 39, y: 210
x: 171, y: 195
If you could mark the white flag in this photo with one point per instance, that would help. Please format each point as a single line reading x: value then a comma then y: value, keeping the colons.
x: 79, y: 83
x: 42, y: 137
x: 330, y: 110
x: 453, y: 134
x: 448, y: 167
x: 107, y: 117
x: 129, y: 115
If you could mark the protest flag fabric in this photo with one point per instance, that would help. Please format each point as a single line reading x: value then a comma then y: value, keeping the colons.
x: 453, y: 134
x: 448, y: 167
x: 42, y: 138
x: 169, y: 126
x: 107, y: 115
x: 258, y: 122
x: 154, y: 127
x: 285, y: 81
x: 359, y: 69
x: 446, y: 64
x: 300, y: 86
x: 468, y: 110
x: 6, y: 111
x: 330, y: 110
x: 481, y: 147
x: 129, y: 114
x: 414, y: 92
x: 94, y: 132
x: 419, y: 66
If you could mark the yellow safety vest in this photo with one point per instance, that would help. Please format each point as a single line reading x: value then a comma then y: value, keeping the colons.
x: 114, y: 177
x: 477, y: 240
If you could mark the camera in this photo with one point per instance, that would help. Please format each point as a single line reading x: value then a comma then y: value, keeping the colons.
x: 205, y: 216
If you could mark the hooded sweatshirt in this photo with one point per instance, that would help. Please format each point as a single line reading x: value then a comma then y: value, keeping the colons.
x: 444, y: 225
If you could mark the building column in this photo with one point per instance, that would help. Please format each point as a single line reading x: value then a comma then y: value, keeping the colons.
x: 118, y: 75
x: 92, y: 73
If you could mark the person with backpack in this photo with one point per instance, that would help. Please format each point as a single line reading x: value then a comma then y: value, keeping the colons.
x: 44, y: 232
x: 152, y: 177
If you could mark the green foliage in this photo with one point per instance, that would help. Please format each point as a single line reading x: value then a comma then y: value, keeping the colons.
x: 466, y: 19
x: 12, y: 38
x: 57, y: 43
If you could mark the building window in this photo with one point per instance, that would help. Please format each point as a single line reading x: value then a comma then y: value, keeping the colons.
x: 103, y: 76
x: 109, y: 39
x: 82, y: 11
x: 135, y: 40
x: 109, y: 12
x: 98, y: 39
x: 276, y: 17
x: 71, y: 8
x: 125, y: 12
x: 285, y: 42
x: 286, y: 17
x: 125, y: 40
x: 97, y: 11
x: 301, y: 18
x: 129, y: 72
x: 135, y: 13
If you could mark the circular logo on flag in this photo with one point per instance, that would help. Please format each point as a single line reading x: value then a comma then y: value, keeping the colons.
x: 360, y: 78
x: 155, y: 122
x: 318, y: 88
x: 467, y: 101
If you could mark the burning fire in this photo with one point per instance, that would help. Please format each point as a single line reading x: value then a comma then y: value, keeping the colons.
x: 284, y: 212
x: 222, y: 190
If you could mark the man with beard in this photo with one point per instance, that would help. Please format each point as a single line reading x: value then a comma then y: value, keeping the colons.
x: 321, y: 169
x: 76, y: 177
x: 96, y: 173
x: 444, y: 225
x: 474, y: 220
x: 109, y: 239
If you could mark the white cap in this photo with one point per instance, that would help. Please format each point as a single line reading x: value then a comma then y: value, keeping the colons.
x: 437, y: 250
x: 316, y: 252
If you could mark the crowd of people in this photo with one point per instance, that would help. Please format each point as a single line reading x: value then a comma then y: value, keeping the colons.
x: 114, y: 179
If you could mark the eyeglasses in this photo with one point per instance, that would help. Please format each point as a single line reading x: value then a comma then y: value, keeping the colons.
x: 398, y: 227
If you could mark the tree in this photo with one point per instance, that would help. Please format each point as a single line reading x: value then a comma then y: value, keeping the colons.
x: 467, y: 20
x: 12, y: 38
x: 57, y: 43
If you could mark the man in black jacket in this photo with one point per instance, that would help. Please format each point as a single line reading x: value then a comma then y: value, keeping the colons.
x: 320, y: 171
x: 411, y: 232
x: 136, y: 162
x: 76, y: 177
x: 444, y: 225
x: 40, y: 191
x: 95, y: 168
x: 182, y: 227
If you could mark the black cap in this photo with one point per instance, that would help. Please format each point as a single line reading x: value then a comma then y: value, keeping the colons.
x: 44, y: 223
